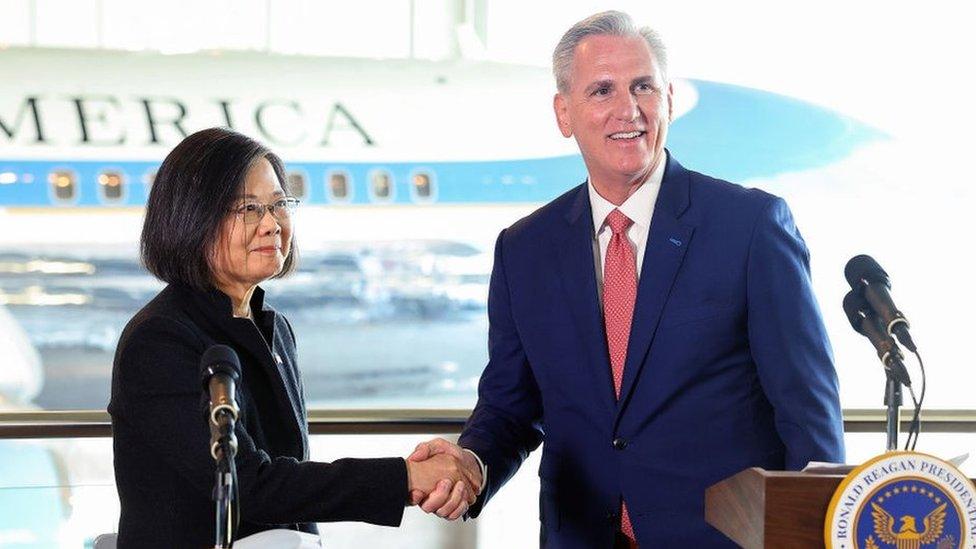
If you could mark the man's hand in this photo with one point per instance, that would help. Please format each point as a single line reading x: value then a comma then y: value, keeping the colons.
x: 441, y: 485
x: 448, y: 500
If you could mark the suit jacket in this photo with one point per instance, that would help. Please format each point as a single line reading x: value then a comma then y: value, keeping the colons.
x: 728, y: 364
x: 163, y: 468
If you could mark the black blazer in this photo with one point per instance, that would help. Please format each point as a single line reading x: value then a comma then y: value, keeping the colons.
x: 163, y: 468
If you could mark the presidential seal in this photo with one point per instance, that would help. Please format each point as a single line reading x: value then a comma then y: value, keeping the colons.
x: 902, y: 500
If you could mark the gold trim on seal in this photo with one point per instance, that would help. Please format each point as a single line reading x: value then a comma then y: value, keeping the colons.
x: 835, y: 499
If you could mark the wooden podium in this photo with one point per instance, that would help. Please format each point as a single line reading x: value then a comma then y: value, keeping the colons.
x: 758, y: 508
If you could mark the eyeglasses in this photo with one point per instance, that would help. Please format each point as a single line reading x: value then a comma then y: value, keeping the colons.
x: 281, y: 209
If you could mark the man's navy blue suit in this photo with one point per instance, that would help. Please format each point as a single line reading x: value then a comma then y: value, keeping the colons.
x: 728, y: 364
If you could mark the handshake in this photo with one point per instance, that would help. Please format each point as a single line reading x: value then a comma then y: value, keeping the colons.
x: 443, y: 478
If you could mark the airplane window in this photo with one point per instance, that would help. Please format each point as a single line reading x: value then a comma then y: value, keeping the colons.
x: 339, y: 186
x: 381, y: 185
x: 110, y: 185
x: 422, y: 186
x: 64, y: 185
x: 296, y: 184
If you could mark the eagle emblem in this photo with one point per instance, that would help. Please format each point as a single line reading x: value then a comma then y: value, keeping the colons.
x: 908, y: 535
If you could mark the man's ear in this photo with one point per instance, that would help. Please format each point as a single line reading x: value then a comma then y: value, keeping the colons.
x: 670, y: 103
x: 562, y: 115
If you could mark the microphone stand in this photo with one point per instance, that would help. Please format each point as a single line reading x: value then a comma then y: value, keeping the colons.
x: 225, y: 481
x: 893, y: 401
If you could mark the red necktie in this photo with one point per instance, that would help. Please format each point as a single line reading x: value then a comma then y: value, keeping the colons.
x: 619, y: 294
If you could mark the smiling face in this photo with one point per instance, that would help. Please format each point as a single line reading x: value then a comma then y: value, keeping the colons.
x: 246, y: 254
x: 618, y: 108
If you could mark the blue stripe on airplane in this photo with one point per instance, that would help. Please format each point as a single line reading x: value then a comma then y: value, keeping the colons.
x: 503, y: 181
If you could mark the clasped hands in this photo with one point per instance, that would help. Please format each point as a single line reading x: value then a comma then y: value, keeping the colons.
x: 443, y: 478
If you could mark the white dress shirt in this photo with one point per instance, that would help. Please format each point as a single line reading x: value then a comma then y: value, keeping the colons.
x: 639, y: 208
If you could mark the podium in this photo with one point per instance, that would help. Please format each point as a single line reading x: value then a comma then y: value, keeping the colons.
x: 758, y: 508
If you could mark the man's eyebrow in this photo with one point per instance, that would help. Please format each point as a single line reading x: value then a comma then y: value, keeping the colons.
x: 644, y: 80
x: 602, y: 83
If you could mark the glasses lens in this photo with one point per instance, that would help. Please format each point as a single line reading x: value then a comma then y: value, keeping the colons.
x: 284, y: 208
x: 252, y: 212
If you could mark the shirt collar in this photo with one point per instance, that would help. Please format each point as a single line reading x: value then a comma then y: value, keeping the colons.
x: 222, y: 304
x: 638, y: 207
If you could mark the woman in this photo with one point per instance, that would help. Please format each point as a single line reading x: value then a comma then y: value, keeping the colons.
x: 218, y: 222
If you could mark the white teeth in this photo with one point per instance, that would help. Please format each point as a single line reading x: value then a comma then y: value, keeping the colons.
x: 622, y: 135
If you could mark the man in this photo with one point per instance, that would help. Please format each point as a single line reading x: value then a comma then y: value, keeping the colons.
x: 654, y: 326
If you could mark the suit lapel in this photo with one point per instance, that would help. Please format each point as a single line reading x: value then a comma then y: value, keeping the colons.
x: 245, y: 335
x: 667, y: 241
x: 574, y: 249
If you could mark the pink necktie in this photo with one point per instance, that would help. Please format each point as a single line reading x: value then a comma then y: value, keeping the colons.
x: 619, y: 294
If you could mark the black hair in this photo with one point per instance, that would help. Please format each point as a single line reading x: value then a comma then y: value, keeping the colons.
x: 194, y: 189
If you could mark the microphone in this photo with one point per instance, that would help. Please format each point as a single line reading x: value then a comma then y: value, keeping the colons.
x: 868, y: 279
x: 864, y: 322
x: 220, y: 370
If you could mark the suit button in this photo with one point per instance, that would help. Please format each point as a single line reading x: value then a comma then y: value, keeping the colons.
x: 619, y: 443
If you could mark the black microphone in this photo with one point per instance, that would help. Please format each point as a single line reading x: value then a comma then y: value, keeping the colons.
x: 220, y: 370
x: 868, y: 279
x: 864, y: 322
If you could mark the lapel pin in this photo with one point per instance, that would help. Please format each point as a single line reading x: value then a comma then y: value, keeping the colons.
x: 675, y: 241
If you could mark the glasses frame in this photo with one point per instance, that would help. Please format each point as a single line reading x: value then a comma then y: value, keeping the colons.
x: 280, y: 212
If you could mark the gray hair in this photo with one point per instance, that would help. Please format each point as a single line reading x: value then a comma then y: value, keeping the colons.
x: 614, y: 23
